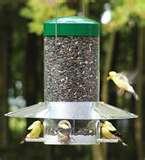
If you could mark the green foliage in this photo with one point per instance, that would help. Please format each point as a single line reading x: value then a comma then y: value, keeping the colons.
x: 126, y: 12
x: 40, y: 10
x: 17, y: 124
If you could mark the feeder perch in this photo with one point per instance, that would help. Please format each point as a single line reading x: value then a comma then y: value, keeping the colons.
x: 71, y: 85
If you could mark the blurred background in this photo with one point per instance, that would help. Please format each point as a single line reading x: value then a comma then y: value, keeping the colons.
x: 21, y: 72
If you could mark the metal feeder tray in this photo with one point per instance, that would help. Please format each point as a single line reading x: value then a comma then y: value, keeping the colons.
x: 77, y: 111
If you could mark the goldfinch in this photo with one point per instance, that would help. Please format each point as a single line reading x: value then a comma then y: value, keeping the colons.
x: 108, y: 131
x: 64, y: 131
x: 36, y: 130
x: 122, y: 83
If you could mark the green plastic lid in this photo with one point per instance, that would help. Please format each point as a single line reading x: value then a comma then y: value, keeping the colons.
x: 71, y: 26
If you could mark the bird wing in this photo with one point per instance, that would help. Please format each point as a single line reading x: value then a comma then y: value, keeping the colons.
x: 109, y: 126
x: 116, y: 133
x: 121, y: 81
x: 34, y: 124
x: 122, y: 77
x: 35, y: 132
x: 112, y: 129
x: 106, y: 133
x: 131, y: 75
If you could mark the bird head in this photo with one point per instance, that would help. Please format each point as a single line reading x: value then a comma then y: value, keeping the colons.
x: 111, y: 75
x: 64, y: 124
x: 34, y: 124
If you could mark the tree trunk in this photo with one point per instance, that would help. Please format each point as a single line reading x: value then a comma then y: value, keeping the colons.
x: 138, y: 122
x: 3, y: 89
x: 107, y: 67
x: 5, y: 51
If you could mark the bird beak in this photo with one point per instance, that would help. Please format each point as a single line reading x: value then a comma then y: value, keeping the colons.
x: 108, y: 78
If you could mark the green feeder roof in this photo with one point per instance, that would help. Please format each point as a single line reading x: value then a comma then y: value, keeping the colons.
x: 71, y: 26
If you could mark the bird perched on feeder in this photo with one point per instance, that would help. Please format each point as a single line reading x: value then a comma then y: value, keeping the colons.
x: 108, y: 131
x: 64, y: 131
x: 91, y: 126
x: 36, y: 129
x: 122, y: 83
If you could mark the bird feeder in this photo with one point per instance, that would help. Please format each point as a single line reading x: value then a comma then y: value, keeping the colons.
x: 71, y: 85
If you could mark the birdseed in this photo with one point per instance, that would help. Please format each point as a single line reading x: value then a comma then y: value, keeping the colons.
x: 71, y: 70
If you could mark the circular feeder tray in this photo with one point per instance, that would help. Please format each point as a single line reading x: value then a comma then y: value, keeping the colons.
x: 79, y: 140
x: 74, y: 140
x: 34, y: 139
x: 103, y: 140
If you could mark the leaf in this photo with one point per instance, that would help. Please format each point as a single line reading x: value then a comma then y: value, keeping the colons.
x: 40, y: 10
x: 124, y: 11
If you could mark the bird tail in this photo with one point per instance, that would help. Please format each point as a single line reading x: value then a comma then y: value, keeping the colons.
x: 123, y: 143
x: 22, y: 142
x: 135, y: 96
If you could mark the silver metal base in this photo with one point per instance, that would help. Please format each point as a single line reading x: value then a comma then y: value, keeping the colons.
x: 103, y: 140
x: 72, y: 110
x: 34, y: 140
x: 75, y: 140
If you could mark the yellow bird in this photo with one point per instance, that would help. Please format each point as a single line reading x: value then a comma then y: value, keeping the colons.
x: 91, y: 126
x: 122, y: 83
x: 110, y: 132
x: 36, y: 130
x: 64, y: 131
